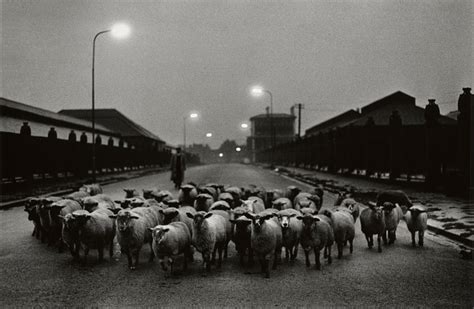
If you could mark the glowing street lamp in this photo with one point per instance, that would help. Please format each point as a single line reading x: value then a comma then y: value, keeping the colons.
x: 192, y: 116
x: 238, y: 149
x: 118, y: 31
x: 244, y: 126
x: 221, y: 155
x: 209, y: 134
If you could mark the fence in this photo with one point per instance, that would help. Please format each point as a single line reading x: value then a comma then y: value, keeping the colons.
x: 410, y: 150
x: 24, y: 156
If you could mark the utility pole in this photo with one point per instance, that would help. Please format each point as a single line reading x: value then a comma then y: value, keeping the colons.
x: 300, y: 107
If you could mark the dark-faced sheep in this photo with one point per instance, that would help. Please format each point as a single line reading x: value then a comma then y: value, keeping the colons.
x: 395, y: 197
x: 187, y: 194
x: 32, y: 208
x: 241, y: 238
x: 372, y: 222
x: 393, y: 214
x: 282, y: 203
x: 317, y: 235
x: 203, y: 202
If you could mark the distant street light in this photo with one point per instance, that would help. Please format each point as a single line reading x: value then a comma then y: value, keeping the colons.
x: 118, y: 31
x: 221, y: 155
x: 238, y: 149
x: 209, y: 134
x: 258, y: 91
x: 244, y: 126
x: 192, y: 116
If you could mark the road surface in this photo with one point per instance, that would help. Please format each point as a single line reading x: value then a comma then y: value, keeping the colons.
x: 33, y: 274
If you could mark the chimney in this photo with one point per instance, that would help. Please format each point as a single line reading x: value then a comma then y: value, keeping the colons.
x: 467, y: 90
x: 431, y: 101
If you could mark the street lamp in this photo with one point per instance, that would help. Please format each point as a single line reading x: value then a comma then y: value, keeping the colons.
x: 209, y: 134
x: 118, y: 31
x: 244, y: 125
x: 258, y: 91
x: 192, y: 115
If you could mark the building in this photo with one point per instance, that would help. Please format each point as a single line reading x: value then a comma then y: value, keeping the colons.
x: 15, y: 115
x: 261, y: 131
x: 335, y: 122
x: 133, y: 133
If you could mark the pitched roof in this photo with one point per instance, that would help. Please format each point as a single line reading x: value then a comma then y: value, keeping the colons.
x: 410, y: 113
x: 337, y: 121
x: 42, y: 115
x: 274, y: 115
x: 114, y: 120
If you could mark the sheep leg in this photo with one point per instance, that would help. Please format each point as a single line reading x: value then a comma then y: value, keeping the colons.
x: 101, y: 253
x: 111, y: 250
x: 317, y: 259
x: 275, y: 258
x: 379, y: 242
x: 213, y: 260
x: 219, y: 262
x: 391, y: 237
x: 340, y: 245
x: 370, y: 240
x: 329, y: 254
x: 295, y: 251
x: 60, y: 245
x: 86, y: 253
x: 384, y: 237
x: 250, y: 257
x: 129, y: 258
x: 207, y: 261
x: 420, y: 238
x: 163, y: 265
x: 266, y: 263
x: 306, y: 253
x: 137, y: 255
x: 287, y: 255
x: 351, y: 248
x: 413, y: 242
x: 225, y: 252
x: 152, y: 254
x: 170, y: 261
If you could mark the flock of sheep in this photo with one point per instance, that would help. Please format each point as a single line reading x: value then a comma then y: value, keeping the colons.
x: 207, y: 217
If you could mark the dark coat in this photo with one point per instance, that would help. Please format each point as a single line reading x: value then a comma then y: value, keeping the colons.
x: 177, y: 167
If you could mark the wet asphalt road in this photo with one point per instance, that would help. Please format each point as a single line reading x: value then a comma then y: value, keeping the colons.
x: 32, y: 274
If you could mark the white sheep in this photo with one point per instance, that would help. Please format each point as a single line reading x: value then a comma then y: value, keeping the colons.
x: 92, y: 203
x: 236, y: 193
x: 96, y: 231
x: 317, y: 234
x: 133, y: 231
x: 266, y: 240
x: 342, y: 223
x: 57, y: 211
x: 227, y: 197
x: 254, y: 204
x: 417, y: 221
x: 305, y: 199
x: 372, y: 222
x: 393, y: 214
x: 92, y: 189
x: 291, y: 231
x: 173, y: 214
x: 209, y: 235
x: 351, y: 205
x: 169, y: 241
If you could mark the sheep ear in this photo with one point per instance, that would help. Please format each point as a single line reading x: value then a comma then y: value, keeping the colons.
x: 134, y: 217
x: 118, y: 202
x: 249, y: 215
x: 232, y: 221
x: 208, y: 215
x: 190, y: 215
x: 372, y: 205
x: 161, y: 211
x: 299, y: 217
x: 292, y: 215
x: 113, y: 216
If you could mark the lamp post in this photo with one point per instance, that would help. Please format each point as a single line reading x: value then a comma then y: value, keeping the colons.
x: 258, y: 91
x: 118, y: 31
x: 192, y: 115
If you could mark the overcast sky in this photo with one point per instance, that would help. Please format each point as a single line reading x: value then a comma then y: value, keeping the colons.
x: 203, y: 56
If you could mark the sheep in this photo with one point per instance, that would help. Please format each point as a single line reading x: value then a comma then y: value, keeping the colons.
x: 203, y: 202
x: 172, y: 203
x: 342, y: 223
x: 308, y: 210
x: 70, y: 232
x: 169, y: 241
x: 292, y: 192
x: 225, y: 196
x: 372, y: 221
x: 133, y: 231
x: 228, y: 227
x: 220, y: 205
x: 163, y: 196
x: 254, y: 204
x: 253, y: 190
x: 129, y: 193
x: 96, y: 231
x: 305, y: 199
x: 282, y: 203
x: 130, y: 201
x: 291, y: 231
x: 32, y: 208
x: 92, y: 203
x: 92, y: 189
x: 266, y: 240
x: 150, y: 193
x: 57, y: 211
x: 241, y: 238
x: 272, y: 195
x: 351, y: 205
x: 317, y: 234
x: 393, y: 214
x: 417, y: 220
x: 395, y: 197
x: 319, y: 191
x: 173, y: 214
x: 45, y: 218
x: 77, y: 196
x: 236, y: 195
x: 340, y: 196
x: 212, y: 191
x: 187, y: 194
x: 209, y: 235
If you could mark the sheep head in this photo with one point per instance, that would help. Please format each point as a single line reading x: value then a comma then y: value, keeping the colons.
x: 159, y: 232
x: 285, y: 220
x: 124, y: 220
x: 199, y: 217
x: 169, y: 214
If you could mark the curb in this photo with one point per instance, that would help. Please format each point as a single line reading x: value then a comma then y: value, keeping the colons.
x: 21, y: 202
x: 431, y: 228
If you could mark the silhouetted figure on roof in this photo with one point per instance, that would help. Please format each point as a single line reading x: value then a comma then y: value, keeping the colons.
x: 52, y: 134
x: 25, y: 129
x: 83, y: 138
x: 432, y: 113
x: 72, y: 136
x: 110, y: 142
x: 98, y: 140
